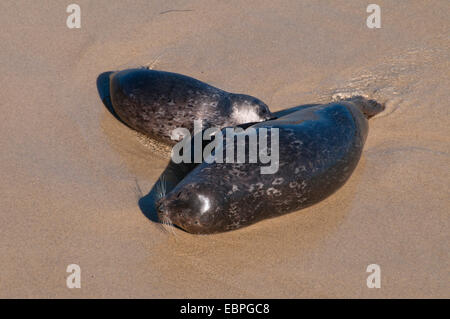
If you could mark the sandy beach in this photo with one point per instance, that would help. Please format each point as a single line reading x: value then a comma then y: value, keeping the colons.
x: 71, y: 174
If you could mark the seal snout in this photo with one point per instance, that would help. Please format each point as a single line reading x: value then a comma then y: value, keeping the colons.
x: 162, y: 211
x: 168, y: 214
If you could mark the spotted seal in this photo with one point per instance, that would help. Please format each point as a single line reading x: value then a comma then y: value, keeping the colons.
x: 155, y: 103
x: 319, y: 147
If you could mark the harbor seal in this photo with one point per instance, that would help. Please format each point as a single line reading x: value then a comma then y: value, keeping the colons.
x: 319, y: 147
x: 156, y: 103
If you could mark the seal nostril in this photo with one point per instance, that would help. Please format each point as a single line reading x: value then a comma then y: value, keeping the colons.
x: 160, y: 207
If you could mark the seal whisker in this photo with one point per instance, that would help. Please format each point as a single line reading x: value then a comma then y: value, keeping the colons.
x: 163, y: 185
x: 163, y: 225
x: 149, y: 66
x: 168, y: 225
x: 161, y: 188
x: 171, y: 227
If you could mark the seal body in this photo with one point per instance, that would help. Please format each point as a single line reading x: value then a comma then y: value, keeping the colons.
x: 156, y: 103
x: 319, y: 147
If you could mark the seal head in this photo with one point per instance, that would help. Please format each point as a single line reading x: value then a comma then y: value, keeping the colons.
x: 192, y: 209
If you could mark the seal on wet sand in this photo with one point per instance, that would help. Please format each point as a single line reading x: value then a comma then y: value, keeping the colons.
x: 155, y: 103
x: 319, y: 147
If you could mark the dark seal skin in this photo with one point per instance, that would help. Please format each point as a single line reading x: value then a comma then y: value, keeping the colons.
x: 319, y: 147
x: 156, y: 102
